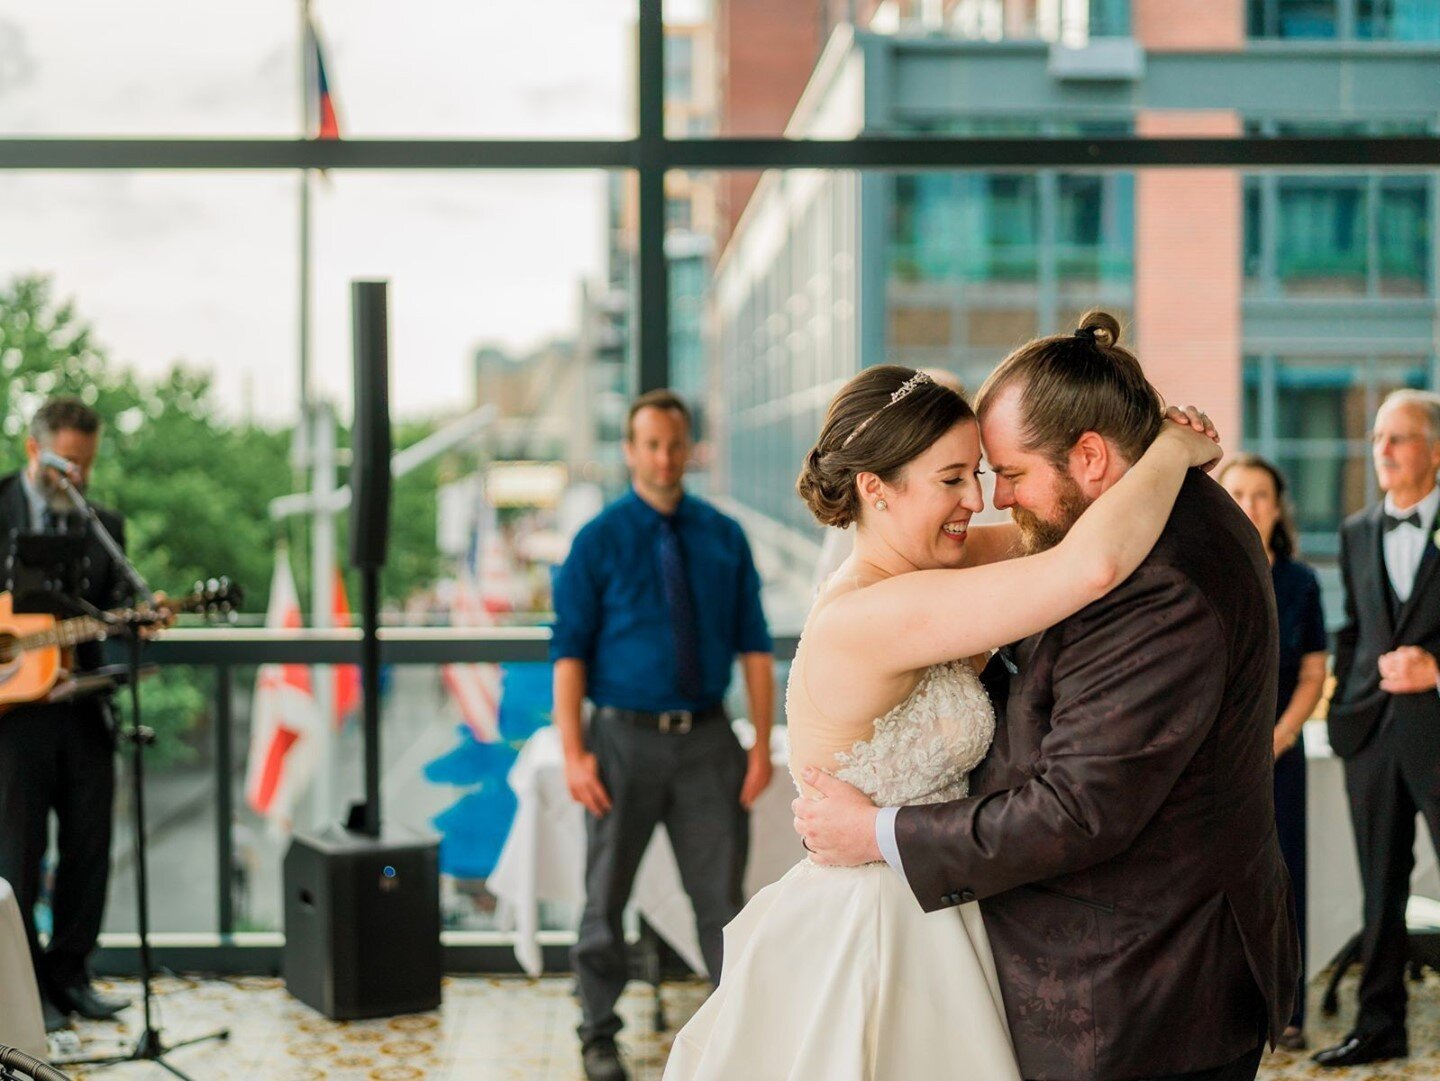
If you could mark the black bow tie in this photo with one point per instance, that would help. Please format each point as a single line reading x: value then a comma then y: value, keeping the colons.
x: 1391, y: 522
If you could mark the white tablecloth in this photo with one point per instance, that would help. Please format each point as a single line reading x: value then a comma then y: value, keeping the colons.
x: 1334, y: 896
x: 21, y: 1023
x: 544, y: 856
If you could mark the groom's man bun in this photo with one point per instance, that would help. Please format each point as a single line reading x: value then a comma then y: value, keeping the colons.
x: 1074, y: 383
x: 865, y: 432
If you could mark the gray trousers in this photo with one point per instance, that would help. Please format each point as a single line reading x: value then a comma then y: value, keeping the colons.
x: 690, y: 783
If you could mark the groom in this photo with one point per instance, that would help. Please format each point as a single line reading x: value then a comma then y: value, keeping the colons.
x: 1121, y: 834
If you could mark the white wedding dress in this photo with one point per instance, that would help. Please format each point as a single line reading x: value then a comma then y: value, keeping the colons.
x: 835, y: 973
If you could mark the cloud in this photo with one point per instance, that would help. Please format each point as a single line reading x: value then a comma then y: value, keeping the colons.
x: 203, y: 265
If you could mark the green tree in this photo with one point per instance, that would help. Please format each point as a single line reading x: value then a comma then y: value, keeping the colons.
x: 194, y: 486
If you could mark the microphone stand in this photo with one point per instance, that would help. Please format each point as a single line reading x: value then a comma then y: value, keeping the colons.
x: 149, y: 1045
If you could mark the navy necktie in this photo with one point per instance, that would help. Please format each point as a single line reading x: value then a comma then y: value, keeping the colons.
x: 682, y: 611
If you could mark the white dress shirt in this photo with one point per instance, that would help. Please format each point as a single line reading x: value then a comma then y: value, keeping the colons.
x: 885, y: 837
x: 1405, y: 544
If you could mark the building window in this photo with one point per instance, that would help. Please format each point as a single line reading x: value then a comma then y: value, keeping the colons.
x: 1321, y: 241
x: 679, y: 68
x: 980, y: 262
x: 1338, y: 236
x: 1254, y: 238
x: 1295, y: 18
x: 1311, y: 415
x: 1363, y: 20
x: 1403, y: 231
x: 679, y: 213
x: 1071, y: 21
x: 988, y: 227
x: 1397, y: 20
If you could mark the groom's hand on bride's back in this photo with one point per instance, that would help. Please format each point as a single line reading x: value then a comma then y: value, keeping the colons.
x: 839, y: 828
x: 582, y: 778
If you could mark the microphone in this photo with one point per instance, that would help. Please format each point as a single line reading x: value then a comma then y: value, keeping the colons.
x: 63, y: 465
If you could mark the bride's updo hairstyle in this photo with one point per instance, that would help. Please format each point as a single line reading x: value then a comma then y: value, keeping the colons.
x: 881, y: 421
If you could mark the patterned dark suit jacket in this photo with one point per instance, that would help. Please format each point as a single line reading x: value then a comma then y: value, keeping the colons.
x: 1122, y: 838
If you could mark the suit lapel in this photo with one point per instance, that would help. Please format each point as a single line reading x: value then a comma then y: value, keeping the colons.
x: 1423, y: 574
x: 14, y: 506
x: 1375, y: 533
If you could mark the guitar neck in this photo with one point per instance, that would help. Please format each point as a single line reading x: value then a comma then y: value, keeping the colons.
x: 65, y: 634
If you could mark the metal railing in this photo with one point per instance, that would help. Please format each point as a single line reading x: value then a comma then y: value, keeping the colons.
x: 224, y: 651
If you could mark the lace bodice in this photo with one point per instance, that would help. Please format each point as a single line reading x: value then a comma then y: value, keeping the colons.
x: 923, y: 750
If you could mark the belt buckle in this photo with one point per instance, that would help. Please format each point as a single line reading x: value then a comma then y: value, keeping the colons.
x: 678, y: 721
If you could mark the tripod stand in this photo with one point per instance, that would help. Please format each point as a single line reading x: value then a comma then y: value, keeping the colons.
x: 149, y: 1046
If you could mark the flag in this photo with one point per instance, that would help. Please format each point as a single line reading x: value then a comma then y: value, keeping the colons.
x: 324, y: 121
x: 479, y: 588
x: 287, y: 727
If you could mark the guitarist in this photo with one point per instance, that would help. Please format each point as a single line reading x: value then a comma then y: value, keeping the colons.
x: 60, y: 756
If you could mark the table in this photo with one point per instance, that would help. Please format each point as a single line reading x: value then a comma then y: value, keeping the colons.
x: 1335, y: 896
x: 543, y: 858
x: 21, y: 1023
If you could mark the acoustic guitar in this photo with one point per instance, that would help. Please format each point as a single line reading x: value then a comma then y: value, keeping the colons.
x: 33, y: 648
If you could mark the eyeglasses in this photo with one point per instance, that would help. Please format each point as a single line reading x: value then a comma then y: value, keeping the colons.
x: 1398, y: 439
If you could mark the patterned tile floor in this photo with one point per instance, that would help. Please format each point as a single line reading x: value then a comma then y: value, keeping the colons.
x: 511, y: 1028
x: 488, y: 1029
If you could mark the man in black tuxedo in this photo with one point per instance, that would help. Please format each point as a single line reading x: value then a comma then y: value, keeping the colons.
x: 60, y: 756
x: 1385, y: 712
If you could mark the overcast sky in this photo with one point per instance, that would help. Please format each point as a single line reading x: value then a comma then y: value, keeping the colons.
x: 202, y: 266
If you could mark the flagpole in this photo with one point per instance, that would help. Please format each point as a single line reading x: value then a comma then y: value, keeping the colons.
x: 322, y: 593
x: 306, y: 91
x: 319, y: 419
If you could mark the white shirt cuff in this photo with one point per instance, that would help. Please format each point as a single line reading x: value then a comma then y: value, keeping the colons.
x: 885, y: 837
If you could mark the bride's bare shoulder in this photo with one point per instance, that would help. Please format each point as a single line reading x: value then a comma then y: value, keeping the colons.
x: 832, y: 601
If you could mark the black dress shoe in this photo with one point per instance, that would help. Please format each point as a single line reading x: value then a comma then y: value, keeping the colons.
x: 82, y: 998
x: 55, y: 1017
x: 602, y: 1063
x: 1356, y: 1050
x: 1293, y: 1039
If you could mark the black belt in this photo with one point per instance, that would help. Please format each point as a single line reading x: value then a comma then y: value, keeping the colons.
x: 671, y: 721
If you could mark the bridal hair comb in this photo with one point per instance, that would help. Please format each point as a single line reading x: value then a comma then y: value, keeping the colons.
x: 916, y: 380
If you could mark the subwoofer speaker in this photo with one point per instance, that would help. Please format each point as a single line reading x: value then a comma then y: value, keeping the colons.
x: 362, y: 923
x: 370, y: 454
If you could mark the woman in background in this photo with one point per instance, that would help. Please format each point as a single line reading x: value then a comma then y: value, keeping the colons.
x: 1258, y: 487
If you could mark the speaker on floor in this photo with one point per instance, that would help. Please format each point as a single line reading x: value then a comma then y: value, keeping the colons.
x: 370, y: 454
x: 362, y: 923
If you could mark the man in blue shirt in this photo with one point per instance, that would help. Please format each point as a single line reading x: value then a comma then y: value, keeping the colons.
x: 658, y: 595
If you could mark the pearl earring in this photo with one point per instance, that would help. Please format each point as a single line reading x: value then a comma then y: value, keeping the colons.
x: 880, y: 504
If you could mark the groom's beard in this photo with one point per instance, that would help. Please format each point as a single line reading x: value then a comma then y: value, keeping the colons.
x: 1038, y: 534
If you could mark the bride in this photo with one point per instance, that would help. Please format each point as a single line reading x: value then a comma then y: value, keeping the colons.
x: 836, y: 974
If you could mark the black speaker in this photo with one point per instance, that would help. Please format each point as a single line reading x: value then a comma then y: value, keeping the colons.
x: 370, y: 453
x: 362, y: 923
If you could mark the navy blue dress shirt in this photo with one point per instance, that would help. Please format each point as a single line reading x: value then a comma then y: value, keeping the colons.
x: 610, y: 609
